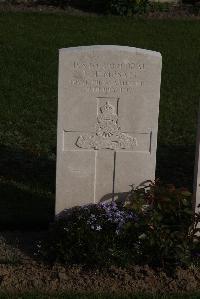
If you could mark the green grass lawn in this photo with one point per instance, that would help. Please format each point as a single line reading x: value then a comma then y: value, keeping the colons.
x: 29, y: 44
x: 82, y: 296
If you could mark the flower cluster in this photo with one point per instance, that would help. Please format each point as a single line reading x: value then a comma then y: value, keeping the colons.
x: 117, y: 216
x: 93, y: 222
x: 108, y: 212
x: 153, y: 225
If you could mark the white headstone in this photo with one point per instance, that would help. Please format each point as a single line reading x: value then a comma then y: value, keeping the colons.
x: 108, y: 105
x: 196, y: 187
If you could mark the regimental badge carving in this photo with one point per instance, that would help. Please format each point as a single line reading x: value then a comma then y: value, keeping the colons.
x: 108, y: 133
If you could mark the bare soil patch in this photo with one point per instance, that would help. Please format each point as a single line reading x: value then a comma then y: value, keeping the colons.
x: 20, y: 271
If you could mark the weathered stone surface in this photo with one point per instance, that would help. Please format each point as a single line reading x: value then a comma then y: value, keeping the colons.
x: 108, y: 104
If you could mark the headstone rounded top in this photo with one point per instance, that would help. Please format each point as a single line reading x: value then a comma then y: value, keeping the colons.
x: 112, y: 48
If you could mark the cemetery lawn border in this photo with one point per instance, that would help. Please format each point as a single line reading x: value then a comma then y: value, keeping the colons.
x: 98, y: 296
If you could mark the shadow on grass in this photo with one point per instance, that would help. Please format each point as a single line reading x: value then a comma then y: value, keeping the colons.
x: 175, y: 165
x: 27, y: 188
x: 27, y: 183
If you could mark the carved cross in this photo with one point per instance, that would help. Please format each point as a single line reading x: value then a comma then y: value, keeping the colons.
x: 105, y: 141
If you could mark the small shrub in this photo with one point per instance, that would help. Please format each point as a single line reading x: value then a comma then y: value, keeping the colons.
x: 165, y: 215
x: 88, y: 235
x: 154, y: 226
x: 127, y: 7
x: 117, y: 7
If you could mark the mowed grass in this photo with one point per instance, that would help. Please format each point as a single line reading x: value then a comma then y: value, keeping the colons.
x: 29, y: 44
x: 96, y: 296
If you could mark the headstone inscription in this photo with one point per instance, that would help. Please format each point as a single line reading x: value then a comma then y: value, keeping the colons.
x: 108, y: 105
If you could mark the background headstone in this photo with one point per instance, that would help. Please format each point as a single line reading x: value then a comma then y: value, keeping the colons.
x: 108, y: 105
x: 196, y: 187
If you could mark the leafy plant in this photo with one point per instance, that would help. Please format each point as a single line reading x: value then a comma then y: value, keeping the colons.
x: 154, y: 225
x: 90, y: 234
x: 165, y: 215
x: 128, y: 7
x: 117, y: 7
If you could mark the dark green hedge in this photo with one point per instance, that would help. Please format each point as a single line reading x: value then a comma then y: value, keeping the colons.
x: 116, y: 7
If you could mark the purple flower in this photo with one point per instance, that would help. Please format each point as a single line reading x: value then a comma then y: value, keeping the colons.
x: 117, y: 216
